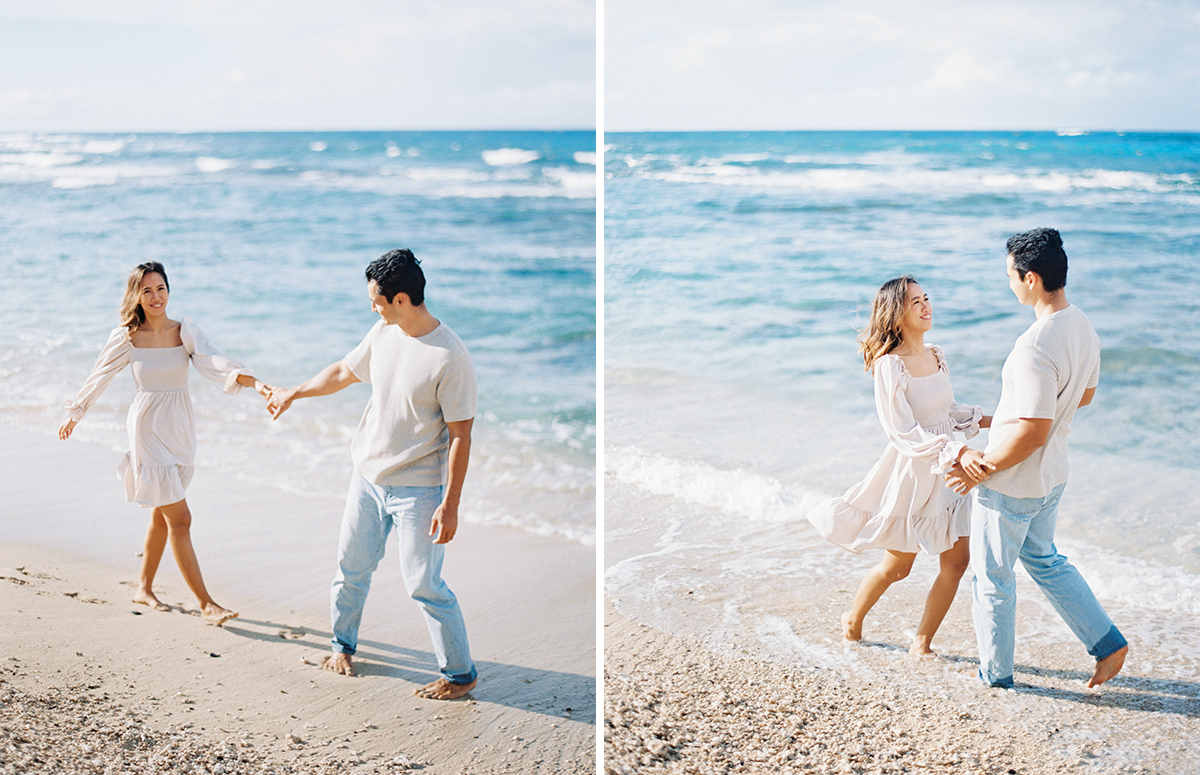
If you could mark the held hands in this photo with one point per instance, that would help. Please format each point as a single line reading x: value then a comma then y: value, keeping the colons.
x: 971, y: 469
x: 278, y: 401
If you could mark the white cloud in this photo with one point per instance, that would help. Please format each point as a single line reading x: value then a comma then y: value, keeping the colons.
x: 299, y: 64
x: 921, y: 64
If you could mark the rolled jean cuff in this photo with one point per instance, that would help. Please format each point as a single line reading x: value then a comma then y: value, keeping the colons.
x: 1111, y: 643
x: 462, y: 680
x: 342, y: 648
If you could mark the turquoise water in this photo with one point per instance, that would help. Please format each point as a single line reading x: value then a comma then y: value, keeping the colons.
x: 738, y: 267
x: 265, y: 237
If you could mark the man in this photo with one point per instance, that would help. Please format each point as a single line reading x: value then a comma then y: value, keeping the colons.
x: 1052, y: 371
x: 410, y: 456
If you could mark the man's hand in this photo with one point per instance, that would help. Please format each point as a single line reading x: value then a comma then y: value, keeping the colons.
x: 444, y: 524
x: 279, y: 400
x: 960, y: 481
x: 976, y: 465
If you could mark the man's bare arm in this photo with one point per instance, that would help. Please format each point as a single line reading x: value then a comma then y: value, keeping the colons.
x: 331, y: 379
x: 445, y: 520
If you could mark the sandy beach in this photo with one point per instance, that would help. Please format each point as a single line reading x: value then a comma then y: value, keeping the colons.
x: 673, y: 705
x: 90, y: 682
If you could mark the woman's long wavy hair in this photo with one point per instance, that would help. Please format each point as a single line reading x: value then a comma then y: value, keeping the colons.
x: 882, y: 334
x: 132, y: 314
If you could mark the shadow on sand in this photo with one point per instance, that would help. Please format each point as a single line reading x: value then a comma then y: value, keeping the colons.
x: 561, y: 695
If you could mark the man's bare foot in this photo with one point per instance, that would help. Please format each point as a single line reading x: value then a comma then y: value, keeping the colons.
x: 215, y: 614
x: 146, y: 597
x: 851, y: 630
x: 338, y: 663
x: 441, y: 689
x: 1108, y: 667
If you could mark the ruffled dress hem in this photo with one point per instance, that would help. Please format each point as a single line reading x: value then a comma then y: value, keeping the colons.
x: 856, y: 530
x: 154, y: 486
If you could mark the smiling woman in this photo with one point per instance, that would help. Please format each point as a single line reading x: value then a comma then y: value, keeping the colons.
x: 162, y: 431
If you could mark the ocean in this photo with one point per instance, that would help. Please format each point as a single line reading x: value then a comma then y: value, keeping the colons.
x: 738, y: 268
x: 265, y: 237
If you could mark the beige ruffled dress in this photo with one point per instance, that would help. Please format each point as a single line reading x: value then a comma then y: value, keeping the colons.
x: 904, y: 504
x: 162, y: 430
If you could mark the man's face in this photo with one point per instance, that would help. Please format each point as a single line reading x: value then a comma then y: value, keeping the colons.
x: 1018, y: 286
x: 390, y: 312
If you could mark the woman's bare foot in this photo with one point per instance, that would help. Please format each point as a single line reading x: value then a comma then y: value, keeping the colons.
x: 146, y: 597
x: 338, y: 663
x: 920, y: 648
x: 1108, y: 667
x: 441, y: 689
x: 851, y: 630
x: 215, y: 614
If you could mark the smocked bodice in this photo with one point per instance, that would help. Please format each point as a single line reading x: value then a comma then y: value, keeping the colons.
x: 159, y: 369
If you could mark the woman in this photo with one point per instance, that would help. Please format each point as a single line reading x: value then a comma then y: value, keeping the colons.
x: 162, y: 432
x: 903, y: 506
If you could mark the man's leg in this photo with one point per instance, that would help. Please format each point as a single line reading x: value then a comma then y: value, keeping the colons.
x: 412, y: 509
x: 1066, y: 589
x: 360, y: 548
x: 996, y: 539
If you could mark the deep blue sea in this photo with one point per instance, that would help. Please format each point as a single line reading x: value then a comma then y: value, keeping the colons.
x: 737, y: 270
x: 265, y: 237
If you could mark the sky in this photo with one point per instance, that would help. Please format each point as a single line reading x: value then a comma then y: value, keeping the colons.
x: 221, y: 65
x: 902, y: 64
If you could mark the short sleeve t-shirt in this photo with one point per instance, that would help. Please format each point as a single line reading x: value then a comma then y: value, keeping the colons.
x: 1051, y: 366
x: 418, y: 384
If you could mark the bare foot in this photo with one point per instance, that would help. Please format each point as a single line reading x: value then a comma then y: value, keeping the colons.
x: 441, y: 689
x: 920, y: 648
x: 146, y: 597
x: 338, y: 663
x: 215, y: 614
x: 851, y: 630
x: 1108, y: 667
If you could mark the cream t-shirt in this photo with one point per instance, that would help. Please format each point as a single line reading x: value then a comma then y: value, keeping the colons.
x: 418, y: 384
x: 1051, y: 366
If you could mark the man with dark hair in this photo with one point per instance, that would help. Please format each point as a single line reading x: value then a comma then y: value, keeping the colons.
x: 410, y: 457
x: 1053, y: 370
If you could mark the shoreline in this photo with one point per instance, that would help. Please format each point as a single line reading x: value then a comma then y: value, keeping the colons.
x: 77, y: 648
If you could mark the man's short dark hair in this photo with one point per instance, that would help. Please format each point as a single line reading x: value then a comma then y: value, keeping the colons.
x: 1041, y: 251
x: 398, y: 271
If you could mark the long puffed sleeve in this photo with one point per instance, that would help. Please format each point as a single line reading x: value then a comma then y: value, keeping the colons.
x: 210, y: 363
x: 113, y: 358
x: 903, y: 430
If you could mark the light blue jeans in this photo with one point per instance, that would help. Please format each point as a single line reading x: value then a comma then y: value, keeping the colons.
x: 1003, y: 530
x: 371, y: 512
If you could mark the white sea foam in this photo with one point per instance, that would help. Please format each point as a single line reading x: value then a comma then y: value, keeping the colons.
x: 317, y: 146
x: 571, y: 180
x: 505, y: 157
x: 584, y: 157
x: 213, y: 164
x: 736, y: 492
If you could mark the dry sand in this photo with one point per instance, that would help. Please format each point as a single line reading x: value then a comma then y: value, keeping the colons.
x: 90, y: 682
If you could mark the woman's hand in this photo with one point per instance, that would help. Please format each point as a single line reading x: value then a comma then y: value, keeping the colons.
x: 264, y: 389
x: 64, y: 431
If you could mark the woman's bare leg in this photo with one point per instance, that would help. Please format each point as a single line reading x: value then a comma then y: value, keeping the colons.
x: 179, y: 525
x: 152, y: 552
x: 892, y: 568
x: 953, y: 562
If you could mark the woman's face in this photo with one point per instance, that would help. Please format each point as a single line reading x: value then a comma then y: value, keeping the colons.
x: 918, y: 312
x: 154, y: 295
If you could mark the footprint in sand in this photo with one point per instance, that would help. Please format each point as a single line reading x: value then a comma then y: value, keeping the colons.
x: 292, y: 633
x: 36, y: 575
x: 92, y: 600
